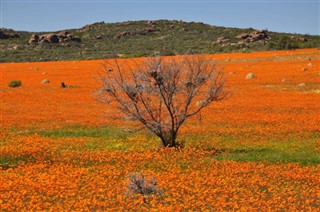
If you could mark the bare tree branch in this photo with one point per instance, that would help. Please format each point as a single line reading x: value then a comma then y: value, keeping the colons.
x: 161, y: 93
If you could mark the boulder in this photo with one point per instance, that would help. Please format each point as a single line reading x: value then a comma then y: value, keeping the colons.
x: 304, y: 69
x: 251, y: 76
x: 52, y: 38
x: 45, y: 81
x: 302, y: 84
x: 63, y: 34
x: 258, y: 35
x: 243, y: 36
x: 34, y: 39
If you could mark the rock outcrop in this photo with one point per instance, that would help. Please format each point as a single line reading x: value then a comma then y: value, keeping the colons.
x: 255, y: 36
x: 60, y: 37
x: 246, y: 39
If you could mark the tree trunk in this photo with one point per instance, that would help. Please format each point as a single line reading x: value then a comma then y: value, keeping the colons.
x: 168, y: 141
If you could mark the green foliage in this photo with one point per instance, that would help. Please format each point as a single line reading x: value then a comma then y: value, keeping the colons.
x: 294, y: 148
x: 285, y: 42
x: 78, y: 131
x: 14, y: 83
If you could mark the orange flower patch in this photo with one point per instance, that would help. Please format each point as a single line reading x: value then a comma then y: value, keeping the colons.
x: 66, y: 178
x: 90, y: 173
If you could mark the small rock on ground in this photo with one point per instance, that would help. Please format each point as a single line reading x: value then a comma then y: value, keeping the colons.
x: 251, y: 76
x: 45, y: 81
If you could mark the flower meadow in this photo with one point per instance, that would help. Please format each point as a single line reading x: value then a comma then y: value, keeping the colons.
x: 258, y: 150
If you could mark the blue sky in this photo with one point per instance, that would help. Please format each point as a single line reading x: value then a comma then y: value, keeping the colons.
x: 275, y: 15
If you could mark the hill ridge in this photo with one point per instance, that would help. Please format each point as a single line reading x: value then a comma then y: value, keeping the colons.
x: 142, y: 38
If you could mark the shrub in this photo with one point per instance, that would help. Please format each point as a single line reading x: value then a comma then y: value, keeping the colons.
x: 139, y: 184
x: 14, y: 83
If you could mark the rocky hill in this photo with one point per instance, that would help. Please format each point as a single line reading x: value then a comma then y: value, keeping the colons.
x: 142, y: 38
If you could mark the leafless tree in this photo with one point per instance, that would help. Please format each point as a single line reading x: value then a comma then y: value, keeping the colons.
x: 161, y: 92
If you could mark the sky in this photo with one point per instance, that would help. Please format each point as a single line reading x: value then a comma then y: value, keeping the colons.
x: 294, y: 16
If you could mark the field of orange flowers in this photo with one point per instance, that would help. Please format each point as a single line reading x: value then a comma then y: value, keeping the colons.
x: 258, y: 150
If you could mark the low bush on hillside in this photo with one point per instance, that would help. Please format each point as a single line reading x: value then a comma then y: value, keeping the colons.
x: 14, y: 83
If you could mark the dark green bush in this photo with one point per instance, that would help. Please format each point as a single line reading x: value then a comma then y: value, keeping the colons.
x: 14, y: 83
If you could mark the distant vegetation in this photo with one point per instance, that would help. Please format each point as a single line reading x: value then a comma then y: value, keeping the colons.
x: 142, y: 38
x: 14, y: 83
